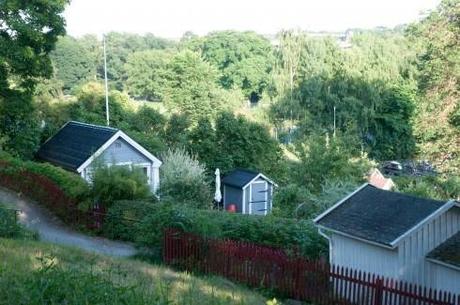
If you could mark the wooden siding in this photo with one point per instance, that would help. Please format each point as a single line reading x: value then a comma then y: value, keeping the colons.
x: 120, y: 152
x: 413, y: 267
x: 355, y: 254
x: 408, y: 261
x: 445, y: 278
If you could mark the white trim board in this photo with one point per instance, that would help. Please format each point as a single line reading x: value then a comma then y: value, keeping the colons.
x: 119, y: 134
x: 257, y: 177
x: 447, y: 265
x: 449, y: 204
x: 318, y: 218
x: 356, y: 238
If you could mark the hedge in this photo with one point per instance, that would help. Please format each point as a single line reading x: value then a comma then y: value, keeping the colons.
x: 59, y: 190
x: 144, y: 223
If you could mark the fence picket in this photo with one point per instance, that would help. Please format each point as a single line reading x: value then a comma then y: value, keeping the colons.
x: 293, y: 276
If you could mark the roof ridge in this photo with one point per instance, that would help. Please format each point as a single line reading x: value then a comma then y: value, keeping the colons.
x: 408, y: 195
x: 93, y: 125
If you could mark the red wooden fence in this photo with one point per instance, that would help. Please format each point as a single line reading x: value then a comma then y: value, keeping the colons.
x: 45, y: 191
x: 293, y: 277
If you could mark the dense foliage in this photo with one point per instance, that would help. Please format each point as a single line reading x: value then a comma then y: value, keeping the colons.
x: 124, y: 222
x: 183, y: 180
x: 119, y: 183
x: 28, y: 33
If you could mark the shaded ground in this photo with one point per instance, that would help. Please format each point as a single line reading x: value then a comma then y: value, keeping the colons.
x: 52, y: 230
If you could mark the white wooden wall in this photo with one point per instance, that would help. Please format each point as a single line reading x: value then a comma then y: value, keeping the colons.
x: 413, y: 267
x: 355, y: 254
x: 407, y: 262
x: 445, y: 278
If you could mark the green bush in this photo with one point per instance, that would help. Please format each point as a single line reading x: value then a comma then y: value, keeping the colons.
x: 183, y: 180
x: 436, y: 187
x: 119, y: 183
x: 72, y: 185
x: 122, y: 218
x: 10, y: 228
x: 153, y: 219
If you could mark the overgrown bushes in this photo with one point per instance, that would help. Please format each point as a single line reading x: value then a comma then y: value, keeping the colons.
x: 152, y: 219
x: 183, y: 180
x: 71, y: 184
x: 9, y: 226
x: 59, y: 190
x: 119, y: 183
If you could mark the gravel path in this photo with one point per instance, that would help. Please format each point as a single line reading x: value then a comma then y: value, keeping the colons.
x: 52, y: 230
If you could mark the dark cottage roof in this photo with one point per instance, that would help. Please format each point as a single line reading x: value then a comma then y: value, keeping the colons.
x: 74, y: 144
x: 239, y: 177
x: 377, y: 215
x: 448, y: 252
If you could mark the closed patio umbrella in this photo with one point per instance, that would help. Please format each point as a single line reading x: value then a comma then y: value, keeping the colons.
x: 218, y: 194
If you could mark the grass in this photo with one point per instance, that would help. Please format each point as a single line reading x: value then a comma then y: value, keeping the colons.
x: 33, y: 273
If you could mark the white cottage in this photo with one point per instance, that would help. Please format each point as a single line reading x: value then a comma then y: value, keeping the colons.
x: 397, y: 236
x: 77, y: 146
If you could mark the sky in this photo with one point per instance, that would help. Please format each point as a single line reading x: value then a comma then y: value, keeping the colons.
x: 171, y: 18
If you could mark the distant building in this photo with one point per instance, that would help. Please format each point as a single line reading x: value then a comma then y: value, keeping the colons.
x: 397, y: 236
x: 251, y: 192
x: 377, y: 179
x: 78, y: 147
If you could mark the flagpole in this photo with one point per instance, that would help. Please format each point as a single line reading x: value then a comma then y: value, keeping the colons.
x: 106, y: 86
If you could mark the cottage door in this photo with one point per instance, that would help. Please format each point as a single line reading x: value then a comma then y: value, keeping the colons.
x: 258, y: 203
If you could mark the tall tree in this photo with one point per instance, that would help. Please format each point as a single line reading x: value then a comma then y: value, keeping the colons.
x: 28, y: 33
x: 192, y: 86
x: 146, y: 74
x: 243, y: 58
x: 75, y: 60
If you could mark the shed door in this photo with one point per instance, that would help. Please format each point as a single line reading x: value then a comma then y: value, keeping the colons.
x: 258, y: 204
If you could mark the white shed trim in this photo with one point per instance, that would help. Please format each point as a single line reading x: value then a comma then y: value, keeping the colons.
x: 444, y: 264
x: 355, y: 237
x: 257, y: 177
x: 449, y: 204
x: 120, y: 134
x: 318, y: 218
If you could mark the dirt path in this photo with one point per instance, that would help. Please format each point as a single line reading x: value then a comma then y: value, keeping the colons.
x: 52, y: 230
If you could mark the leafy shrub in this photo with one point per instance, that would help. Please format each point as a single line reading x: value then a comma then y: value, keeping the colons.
x: 436, y: 187
x: 183, y: 180
x: 269, y: 230
x: 322, y: 158
x: 10, y: 228
x: 71, y: 184
x: 119, y: 183
x: 122, y: 217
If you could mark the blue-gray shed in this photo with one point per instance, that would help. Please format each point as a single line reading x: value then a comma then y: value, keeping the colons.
x: 251, y: 192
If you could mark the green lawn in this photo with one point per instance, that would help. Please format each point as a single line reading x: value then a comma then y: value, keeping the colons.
x: 35, y: 273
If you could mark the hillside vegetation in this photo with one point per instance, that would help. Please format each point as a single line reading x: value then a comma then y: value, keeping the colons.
x: 33, y: 273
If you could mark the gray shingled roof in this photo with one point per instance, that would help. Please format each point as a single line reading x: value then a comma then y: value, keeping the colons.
x: 448, y: 252
x: 74, y: 144
x: 239, y: 177
x: 377, y: 215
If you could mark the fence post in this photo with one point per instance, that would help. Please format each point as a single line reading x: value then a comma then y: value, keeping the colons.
x: 378, y: 295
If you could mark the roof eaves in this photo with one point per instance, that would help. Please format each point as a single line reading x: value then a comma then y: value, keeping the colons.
x: 436, y: 261
x: 374, y: 243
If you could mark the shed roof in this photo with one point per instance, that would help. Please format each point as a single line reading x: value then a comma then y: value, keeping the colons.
x: 378, y: 216
x: 75, y: 143
x: 448, y: 252
x: 239, y: 177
